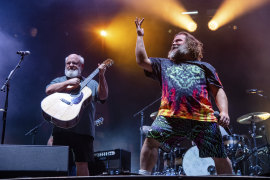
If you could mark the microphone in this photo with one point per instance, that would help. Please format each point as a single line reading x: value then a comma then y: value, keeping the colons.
x: 23, y: 53
x: 227, y: 129
x: 254, y: 91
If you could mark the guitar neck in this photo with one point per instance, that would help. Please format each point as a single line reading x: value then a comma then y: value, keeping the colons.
x: 107, y: 63
x: 89, y: 78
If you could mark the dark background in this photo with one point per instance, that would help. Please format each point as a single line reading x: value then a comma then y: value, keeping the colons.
x: 62, y: 27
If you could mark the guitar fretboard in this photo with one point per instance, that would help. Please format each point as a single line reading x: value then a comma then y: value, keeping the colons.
x: 89, y: 78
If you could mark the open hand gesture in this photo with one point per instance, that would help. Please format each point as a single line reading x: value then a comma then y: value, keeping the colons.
x: 138, y: 23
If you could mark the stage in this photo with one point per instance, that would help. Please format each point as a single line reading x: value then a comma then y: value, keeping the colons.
x: 232, y: 57
x: 139, y: 177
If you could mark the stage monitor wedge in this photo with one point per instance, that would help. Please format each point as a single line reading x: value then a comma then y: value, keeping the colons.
x: 33, y: 161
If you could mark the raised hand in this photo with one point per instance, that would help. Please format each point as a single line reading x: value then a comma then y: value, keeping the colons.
x: 138, y: 23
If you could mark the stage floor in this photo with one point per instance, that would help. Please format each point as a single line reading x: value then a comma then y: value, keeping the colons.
x: 139, y: 177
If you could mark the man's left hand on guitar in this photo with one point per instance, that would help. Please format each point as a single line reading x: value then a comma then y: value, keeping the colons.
x: 102, y: 69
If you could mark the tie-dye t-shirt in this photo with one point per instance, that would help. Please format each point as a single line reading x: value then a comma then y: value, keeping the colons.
x: 185, y: 88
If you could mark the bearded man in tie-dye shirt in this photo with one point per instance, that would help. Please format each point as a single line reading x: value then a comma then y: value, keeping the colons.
x: 186, y: 110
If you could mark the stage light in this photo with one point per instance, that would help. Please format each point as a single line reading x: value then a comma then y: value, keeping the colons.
x: 213, y: 25
x: 191, y: 27
x: 232, y: 9
x: 103, y: 33
x: 190, y: 12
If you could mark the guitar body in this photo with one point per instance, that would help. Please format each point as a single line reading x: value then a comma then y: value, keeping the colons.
x: 63, y: 109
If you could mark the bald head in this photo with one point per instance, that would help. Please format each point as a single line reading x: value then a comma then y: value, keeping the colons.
x: 74, y: 65
x: 75, y: 56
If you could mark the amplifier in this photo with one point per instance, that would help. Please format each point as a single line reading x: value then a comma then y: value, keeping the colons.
x: 117, y: 161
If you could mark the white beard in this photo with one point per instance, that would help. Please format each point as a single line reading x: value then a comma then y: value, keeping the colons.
x: 181, y: 51
x: 72, y: 73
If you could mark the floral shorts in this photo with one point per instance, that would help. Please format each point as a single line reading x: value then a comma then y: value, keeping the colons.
x: 206, y: 135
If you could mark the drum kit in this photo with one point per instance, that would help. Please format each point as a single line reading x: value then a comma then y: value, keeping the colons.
x: 246, y: 157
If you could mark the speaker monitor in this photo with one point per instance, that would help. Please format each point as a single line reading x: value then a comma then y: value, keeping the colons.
x: 33, y: 160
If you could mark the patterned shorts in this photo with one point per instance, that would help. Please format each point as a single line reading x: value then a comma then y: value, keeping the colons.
x: 206, y: 135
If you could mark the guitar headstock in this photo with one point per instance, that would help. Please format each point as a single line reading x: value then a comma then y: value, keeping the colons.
x: 108, y: 62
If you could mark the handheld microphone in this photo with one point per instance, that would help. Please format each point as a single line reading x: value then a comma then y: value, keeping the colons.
x: 254, y: 91
x: 23, y: 53
x: 227, y: 129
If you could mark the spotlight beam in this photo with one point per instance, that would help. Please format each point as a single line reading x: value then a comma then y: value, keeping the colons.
x: 169, y: 11
x: 232, y: 9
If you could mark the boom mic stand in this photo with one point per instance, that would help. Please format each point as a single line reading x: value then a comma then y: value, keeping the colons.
x: 34, y: 131
x: 141, y: 112
x: 5, y: 88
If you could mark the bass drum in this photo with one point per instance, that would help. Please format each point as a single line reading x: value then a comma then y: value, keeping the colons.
x: 193, y: 165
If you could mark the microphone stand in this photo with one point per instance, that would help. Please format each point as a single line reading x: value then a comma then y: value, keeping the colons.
x: 5, y: 88
x: 141, y: 112
x: 34, y: 131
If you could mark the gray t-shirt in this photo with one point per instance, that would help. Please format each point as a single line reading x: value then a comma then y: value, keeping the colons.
x: 85, y: 125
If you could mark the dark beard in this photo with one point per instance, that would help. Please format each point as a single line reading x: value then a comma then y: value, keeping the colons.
x: 179, y: 54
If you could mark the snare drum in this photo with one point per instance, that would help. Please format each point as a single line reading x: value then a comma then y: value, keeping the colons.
x: 235, y: 146
x: 233, y: 142
x: 193, y: 165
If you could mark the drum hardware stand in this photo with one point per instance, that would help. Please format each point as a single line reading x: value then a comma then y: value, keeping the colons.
x: 171, y: 169
x: 158, y: 170
x: 5, y: 88
x: 234, y: 164
x: 262, y: 129
x: 256, y: 169
x: 141, y: 112
x: 34, y: 131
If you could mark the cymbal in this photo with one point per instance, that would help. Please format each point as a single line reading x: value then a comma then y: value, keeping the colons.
x: 154, y: 115
x: 253, y: 117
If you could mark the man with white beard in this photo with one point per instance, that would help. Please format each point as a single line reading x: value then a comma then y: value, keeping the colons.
x: 80, y: 137
x: 186, y: 110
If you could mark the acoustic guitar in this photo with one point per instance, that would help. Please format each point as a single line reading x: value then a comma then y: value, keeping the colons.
x: 63, y: 109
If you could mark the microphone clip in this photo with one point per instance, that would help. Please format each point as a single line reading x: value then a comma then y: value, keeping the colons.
x: 23, y: 53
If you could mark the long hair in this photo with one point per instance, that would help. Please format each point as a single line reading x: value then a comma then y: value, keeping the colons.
x: 194, y: 46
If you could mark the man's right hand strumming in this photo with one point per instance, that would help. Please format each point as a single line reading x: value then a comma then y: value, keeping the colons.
x: 65, y: 86
x: 73, y: 83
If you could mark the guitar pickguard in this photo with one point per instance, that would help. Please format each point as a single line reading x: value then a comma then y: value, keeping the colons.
x: 75, y: 100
